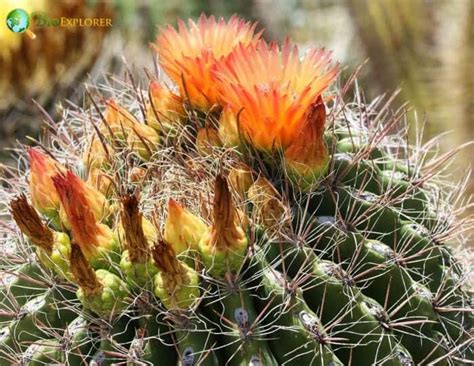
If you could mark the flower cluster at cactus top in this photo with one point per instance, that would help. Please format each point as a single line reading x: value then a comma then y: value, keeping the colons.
x: 261, y: 95
x: 268, y: 93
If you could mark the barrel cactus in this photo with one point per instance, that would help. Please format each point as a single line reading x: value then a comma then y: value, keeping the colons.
x: 248, y: 215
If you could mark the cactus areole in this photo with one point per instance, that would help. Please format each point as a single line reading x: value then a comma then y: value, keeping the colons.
x: 252, y: 214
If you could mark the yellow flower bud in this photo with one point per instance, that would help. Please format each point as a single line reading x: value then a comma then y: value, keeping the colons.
x: 270, y: 210
x: 95, y: 155
x: 165, y: 108
x: 100, y: 180
x: 183, y: 230
x: 228, y: 128
x: 240, y: 179
x: 206, y: 139
x: 143, y: 140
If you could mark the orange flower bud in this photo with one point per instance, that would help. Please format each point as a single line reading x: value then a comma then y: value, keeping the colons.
x: 122, y: 125
x: 307, y: 158
x: 143, y: 140
x: 119, y: 121
x: 83, y: 207
x: 42, y: 191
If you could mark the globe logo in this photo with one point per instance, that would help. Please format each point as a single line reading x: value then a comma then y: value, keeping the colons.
x: 18, y: 20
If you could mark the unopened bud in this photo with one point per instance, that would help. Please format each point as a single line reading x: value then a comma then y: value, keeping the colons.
x: 118, y: 121
x: 42, y: 191
x: 165, y: 108
x: 143, y: 140
x: 101, y: 181
x: 82, y: 272
x: 135, y: 240
x: 307, y: 158
x: 183, y: 230
x: 206, y: 139
x: 31, y: 224
x: 269, y: 206
x: 137, y: 174
x: 95, y: 155
x: 82, y: 208
x: 241, y: 178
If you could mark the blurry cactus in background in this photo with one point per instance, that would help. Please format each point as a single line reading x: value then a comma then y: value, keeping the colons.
x: 47, y: 67
x: 423, y: 47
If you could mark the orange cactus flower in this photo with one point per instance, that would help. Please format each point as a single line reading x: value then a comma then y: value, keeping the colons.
x: 188, y: 54
x: 80, y: 204
x: 273, y: 89
x: 43, y: 193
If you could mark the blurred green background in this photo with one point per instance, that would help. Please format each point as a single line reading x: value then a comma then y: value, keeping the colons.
x: 424, y: 47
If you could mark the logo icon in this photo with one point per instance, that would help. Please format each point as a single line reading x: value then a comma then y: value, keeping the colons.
x: 18, y: 21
